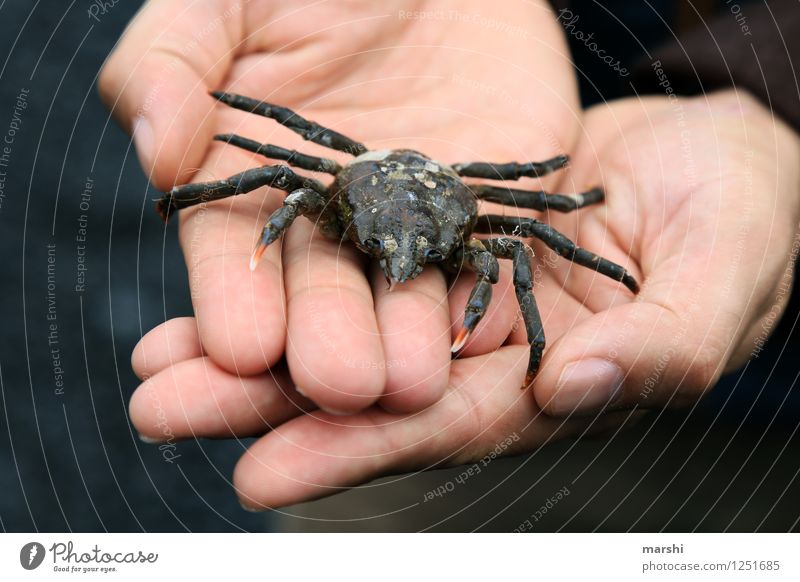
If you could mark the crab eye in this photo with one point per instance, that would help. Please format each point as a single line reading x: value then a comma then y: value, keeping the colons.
x: 374, y: 244
x: 433, y: 255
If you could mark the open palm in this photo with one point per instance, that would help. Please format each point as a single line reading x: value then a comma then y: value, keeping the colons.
x: 389, y: 75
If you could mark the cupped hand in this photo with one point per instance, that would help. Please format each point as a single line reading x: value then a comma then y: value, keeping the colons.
x: 704, y: 195
x: 304, y: 453
x: 439, y: 77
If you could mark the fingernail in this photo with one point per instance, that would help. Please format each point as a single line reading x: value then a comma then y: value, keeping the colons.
x: 334, y: 411
x: 251, y: 509
x: 587, y: 386
x: 150, y: 440
x: 144, y: 140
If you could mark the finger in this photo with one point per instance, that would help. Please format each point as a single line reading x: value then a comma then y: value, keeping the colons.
x: 173, y: 341
x: 240, y: 314
x: 320, y: 454
x: 156, y: 82
x: 196, y: 398
x: 333, y: 347
x: 414, y: 323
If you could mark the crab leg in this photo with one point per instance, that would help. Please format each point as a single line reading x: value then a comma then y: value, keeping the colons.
x: 281, y: 177
x: 308, y: 130
x: 529, y: 227
x: 519, y: 253
x: 478, y: 259
x: 274, y: 152
x: 538, y: 200
x: 302, y: 202
x: 510, y: 170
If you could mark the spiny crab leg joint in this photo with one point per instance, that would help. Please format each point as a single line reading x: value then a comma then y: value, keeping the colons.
x: 406, y: 211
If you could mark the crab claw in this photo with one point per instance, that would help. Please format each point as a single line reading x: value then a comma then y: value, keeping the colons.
x: 529, y: 378
x: 460, y: 340
x: 387, y: 275
x: 256, y: 256
x: 164, y: 205
x: 476, y: 307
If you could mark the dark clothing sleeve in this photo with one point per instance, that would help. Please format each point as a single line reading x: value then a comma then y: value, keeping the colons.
x: 754, y: 46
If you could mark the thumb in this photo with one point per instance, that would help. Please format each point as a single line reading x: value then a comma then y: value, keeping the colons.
x: 668, y: 346
x: 157, y: 79
x: 640, y: 354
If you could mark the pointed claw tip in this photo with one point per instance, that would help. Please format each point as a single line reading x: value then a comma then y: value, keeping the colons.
x: 529, y: 378
x: 256, y: 256
x: 164, y: 207
x: 460, y: 340
x: 387, y: 275
x: 631, y: 284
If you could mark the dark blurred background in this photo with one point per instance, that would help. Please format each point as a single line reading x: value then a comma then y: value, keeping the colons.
x: 69, y: 459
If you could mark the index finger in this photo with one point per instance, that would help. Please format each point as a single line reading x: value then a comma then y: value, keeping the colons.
x: 240, y: 314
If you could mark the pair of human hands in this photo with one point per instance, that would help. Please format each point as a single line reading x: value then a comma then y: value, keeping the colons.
x: 702, y: 206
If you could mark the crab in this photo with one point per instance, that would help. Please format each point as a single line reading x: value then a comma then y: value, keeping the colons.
x: 407, y: 211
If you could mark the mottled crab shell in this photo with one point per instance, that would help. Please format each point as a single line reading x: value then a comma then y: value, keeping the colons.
x: 379, y: 190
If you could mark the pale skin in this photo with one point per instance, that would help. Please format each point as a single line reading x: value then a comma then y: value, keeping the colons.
x: 222, y: 372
